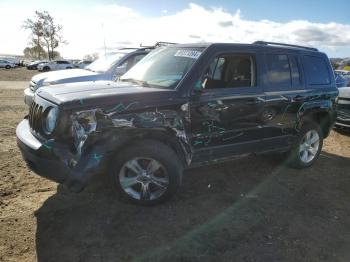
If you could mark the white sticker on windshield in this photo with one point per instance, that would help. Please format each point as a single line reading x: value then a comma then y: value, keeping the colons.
x: 188, y: 53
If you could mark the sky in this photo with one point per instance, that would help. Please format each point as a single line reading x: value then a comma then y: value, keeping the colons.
x: 88, y: 24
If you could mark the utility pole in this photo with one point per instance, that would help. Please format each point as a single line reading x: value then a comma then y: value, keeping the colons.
x: 104, y: 39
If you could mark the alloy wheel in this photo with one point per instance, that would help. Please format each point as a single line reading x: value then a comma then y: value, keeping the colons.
x: 309, y: 146
x: 144, y: 178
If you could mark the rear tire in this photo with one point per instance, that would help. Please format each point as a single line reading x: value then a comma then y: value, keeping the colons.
x: 7, y: 67
x: 146, y: 173
x: 308, y: 146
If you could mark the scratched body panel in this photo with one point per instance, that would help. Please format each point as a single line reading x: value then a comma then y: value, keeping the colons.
x: 126, y: 119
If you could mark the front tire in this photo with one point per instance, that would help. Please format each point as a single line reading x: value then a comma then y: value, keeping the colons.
x: 146, y: 173
x: 46, y: 69
x: 308, y: 146
x: 7, y: 67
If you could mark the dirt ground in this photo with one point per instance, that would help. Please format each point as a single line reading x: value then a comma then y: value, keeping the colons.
x: 254, y: 209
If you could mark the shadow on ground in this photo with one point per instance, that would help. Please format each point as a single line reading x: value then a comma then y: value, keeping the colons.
x: 246, y: 210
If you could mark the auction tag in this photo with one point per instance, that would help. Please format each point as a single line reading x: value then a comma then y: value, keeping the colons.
x: 188, y: 53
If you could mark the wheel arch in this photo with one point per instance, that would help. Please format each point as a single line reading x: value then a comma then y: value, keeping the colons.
x: 163, y: 135
x: 322, y: 116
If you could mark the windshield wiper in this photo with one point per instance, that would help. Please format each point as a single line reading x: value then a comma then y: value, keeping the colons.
x: 135, y: 81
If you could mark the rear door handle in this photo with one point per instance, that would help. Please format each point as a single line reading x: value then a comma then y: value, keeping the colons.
x: 298, y: 98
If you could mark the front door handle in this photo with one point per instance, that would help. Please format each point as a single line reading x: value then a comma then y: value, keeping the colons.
x: 253, y: 101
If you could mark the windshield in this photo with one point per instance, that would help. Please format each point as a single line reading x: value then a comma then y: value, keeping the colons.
x: 105, y: 62
x: 163, y: 67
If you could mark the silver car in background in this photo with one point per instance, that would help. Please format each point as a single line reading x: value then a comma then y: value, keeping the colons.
x: 6, y: 64
x: 55, y: 65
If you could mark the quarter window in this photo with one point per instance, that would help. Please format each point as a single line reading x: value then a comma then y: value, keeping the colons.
x: 316, y: 70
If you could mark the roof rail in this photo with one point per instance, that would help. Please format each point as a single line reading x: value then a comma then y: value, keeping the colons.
x: 164, y: 44
x: 128, y: 48
x: 150, y: 48
x: 281, y: 44
x: 158, y: 44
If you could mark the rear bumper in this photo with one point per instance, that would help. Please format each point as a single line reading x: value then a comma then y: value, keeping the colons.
x: 54, y: 161
x: 28, y: 96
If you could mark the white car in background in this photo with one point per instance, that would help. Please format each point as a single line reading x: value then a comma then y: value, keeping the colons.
x: 55, y: 65
x: 6, y: 64
x: 107, y: 68
x: 343, y: 108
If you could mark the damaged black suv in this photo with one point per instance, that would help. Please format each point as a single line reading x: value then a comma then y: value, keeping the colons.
x: 181, y: 106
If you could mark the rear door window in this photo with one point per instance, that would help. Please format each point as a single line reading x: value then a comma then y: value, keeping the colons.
x: 278, y: 71
x: 283, y: 71
x: 316, y: 70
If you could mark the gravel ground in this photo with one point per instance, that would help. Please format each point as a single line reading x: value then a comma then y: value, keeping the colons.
x: 254, y: 209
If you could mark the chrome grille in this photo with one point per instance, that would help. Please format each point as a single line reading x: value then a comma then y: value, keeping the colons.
x: 32, y: 85
x: 35, y: 117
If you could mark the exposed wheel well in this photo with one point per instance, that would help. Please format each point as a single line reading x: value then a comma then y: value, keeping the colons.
x: 160, y: 136
x: 321, y: 118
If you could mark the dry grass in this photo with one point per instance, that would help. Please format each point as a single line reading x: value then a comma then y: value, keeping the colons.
x: 17, y: 74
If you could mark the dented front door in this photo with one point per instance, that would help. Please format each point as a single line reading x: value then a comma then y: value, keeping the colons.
x: 227, y: 121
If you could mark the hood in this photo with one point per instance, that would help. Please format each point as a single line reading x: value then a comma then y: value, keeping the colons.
x: 344, y: 92
x: 60, y: 75
x: 102, y: 94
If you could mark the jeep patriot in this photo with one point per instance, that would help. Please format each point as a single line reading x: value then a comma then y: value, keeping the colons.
x: 182, y: 106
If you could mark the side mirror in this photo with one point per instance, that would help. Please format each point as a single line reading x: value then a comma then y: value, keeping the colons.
x: 199, y: 88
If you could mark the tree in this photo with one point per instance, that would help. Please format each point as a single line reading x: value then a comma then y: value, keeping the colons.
x: 91, y: 57
x: 44, y: 33
x: 56, y: 54
x: 32, y: 52
x: 36, y: 27
x: 334, y: 65
x: 52, y: 33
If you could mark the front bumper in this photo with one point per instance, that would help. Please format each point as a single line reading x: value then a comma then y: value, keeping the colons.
x: 28, y: 96
x: 343, y: 113
x: 54, y: 161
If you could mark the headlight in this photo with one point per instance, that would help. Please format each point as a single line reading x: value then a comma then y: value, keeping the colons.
x: 50, y: 120
x: 83, y: 123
